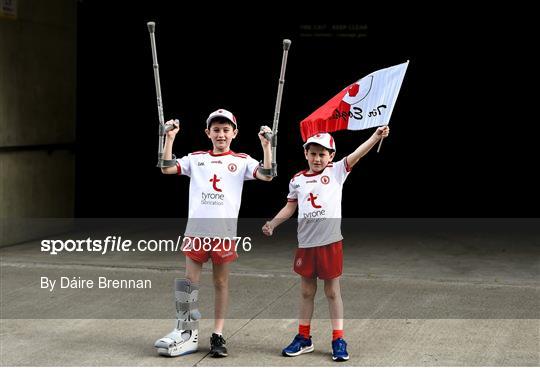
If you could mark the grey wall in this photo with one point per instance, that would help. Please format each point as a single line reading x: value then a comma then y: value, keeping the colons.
x: 37, y: 115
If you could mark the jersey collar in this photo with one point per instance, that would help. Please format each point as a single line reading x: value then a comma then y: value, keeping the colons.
x: 315, y: 173
x: 220, y: 154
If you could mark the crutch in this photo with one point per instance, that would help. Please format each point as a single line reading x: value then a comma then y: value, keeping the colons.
x: 163, y: 129
x: 273, y: 136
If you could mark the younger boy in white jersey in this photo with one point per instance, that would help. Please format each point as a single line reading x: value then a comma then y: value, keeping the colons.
x: 317, y: 194
x: 215, y: 191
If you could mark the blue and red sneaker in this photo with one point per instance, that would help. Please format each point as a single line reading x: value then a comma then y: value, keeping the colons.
x: 299, y: 345
x: 339, y: 350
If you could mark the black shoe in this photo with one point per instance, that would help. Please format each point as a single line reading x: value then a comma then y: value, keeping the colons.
x: 217, y: 346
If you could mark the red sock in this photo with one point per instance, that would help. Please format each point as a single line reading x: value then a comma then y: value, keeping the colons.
x: 336, y: 334
x: 304, y: 330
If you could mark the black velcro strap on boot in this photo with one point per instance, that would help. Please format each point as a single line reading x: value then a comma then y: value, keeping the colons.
x: 184, y: 307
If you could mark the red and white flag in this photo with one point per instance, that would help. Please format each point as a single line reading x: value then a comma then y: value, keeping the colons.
x: 364, y: 104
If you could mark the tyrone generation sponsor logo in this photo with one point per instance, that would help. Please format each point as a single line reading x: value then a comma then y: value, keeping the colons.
x: 213, y: 198
x: 318, y: 210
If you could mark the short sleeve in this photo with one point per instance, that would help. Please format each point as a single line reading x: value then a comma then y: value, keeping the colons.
x: 293, y: 193
x: 251, y: 168
x: 183, y: 166
x: 341, y: 170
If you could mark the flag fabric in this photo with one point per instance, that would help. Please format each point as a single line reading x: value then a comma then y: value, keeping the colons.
x: 364, y: 104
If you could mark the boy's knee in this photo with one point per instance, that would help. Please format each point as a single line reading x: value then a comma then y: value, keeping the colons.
x: 308, y: 293
x: 331, y: 293
x: 221, y: 283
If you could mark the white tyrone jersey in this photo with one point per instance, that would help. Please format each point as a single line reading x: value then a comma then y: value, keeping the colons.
x: 215, y: 190
x: 319, y: 204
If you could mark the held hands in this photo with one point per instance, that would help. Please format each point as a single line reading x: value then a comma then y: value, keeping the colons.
x: 382, y: 132
x: 268, y: 229
x: 264, y: 142
x: 172, y: 133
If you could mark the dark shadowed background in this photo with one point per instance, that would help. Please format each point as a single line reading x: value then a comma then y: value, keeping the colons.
x: 447, y: 155
x: 79, y: 116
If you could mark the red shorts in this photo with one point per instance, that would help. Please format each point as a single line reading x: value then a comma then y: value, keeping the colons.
x: 201, y: 249
x: 324, y: 262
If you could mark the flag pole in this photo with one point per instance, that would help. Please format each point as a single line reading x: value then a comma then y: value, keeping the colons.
x: 380, y: 144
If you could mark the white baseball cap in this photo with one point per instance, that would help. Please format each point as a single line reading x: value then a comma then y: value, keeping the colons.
x: 221, y: 113
x: 324, y: 139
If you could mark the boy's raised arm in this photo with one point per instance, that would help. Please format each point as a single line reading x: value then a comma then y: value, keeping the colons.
x: 167, y: 149
x: 267, y: 152
x: 354, y: 157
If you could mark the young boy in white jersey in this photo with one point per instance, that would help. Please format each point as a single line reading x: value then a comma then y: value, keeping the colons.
x: 317, y: 194
x: 215, y: 190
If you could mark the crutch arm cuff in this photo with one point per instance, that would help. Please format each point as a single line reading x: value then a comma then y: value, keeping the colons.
x: 268, y: 172
x: 167, y: 163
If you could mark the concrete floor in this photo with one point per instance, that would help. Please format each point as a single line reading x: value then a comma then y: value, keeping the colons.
x: 443, y: 297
